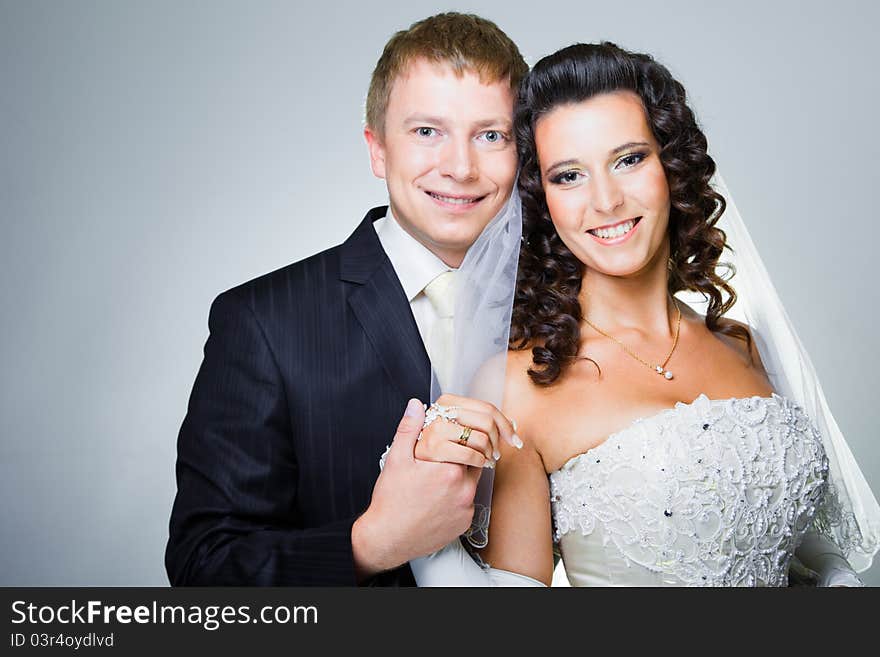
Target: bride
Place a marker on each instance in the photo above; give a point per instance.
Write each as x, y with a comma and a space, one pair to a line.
660, 445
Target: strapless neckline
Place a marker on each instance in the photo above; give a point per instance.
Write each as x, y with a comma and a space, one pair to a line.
714, 492
702, 398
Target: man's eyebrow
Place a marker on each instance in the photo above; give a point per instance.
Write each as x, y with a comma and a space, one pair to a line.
423, 119
426, 119
505, 124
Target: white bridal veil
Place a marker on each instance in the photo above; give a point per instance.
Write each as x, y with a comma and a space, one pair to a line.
484, 287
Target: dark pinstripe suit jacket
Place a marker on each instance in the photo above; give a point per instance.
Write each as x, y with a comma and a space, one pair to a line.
306, 374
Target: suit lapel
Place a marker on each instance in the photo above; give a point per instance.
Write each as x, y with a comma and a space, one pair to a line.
380, 305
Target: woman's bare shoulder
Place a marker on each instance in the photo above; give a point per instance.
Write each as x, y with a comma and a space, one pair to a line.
518, 385
747, 349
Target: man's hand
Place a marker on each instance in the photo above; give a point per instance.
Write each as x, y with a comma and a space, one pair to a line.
417, 506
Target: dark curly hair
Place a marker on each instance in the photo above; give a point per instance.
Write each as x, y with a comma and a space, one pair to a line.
546, 312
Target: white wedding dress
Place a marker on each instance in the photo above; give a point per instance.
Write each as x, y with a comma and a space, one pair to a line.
710, 493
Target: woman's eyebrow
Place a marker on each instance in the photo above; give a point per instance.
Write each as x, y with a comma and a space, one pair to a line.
628, 145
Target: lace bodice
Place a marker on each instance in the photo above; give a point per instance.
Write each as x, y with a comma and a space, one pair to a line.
711, 493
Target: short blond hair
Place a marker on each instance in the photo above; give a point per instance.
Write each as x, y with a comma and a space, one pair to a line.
467, 43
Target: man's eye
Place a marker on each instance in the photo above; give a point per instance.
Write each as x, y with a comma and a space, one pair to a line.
493, 136
425, 132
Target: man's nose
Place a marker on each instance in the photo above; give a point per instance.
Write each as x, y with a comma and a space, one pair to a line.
458, 161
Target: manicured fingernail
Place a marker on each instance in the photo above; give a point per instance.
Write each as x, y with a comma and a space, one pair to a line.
513, 422
413, 407
517, 442
489, 464
496, 455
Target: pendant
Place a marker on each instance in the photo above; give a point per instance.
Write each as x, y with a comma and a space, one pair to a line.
666, 373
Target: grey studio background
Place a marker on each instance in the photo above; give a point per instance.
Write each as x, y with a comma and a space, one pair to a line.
155, 154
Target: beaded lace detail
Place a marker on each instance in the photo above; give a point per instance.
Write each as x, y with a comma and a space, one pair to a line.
712, 493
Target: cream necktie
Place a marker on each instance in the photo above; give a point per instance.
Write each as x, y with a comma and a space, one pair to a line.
441, 294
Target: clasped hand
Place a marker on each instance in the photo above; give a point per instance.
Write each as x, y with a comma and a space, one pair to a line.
445, 441
424, 497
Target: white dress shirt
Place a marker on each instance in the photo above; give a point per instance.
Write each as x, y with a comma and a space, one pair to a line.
415, 266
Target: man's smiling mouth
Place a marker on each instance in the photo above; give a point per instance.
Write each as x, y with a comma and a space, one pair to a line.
455, 199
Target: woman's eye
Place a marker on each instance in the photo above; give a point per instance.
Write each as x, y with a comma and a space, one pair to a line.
630, 160
565, 178
425, 132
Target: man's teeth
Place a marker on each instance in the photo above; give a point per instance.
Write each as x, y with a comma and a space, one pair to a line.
454, 200
614, 231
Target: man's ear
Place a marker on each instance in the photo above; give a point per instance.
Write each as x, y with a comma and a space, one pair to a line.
377, 152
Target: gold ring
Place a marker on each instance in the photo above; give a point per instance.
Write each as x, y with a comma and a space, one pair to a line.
465, 434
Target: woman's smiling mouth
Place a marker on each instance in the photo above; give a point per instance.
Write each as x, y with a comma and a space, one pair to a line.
615, 233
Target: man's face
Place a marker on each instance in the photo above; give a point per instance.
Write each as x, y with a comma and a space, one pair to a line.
447, 155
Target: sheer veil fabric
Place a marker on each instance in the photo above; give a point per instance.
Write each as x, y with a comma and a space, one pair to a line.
484, 287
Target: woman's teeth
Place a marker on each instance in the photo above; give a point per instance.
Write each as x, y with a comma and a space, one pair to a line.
454, 200
614, 231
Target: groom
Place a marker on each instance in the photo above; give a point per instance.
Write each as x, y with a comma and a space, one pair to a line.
308, 369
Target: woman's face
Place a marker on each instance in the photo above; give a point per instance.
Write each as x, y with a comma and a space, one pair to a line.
605, 185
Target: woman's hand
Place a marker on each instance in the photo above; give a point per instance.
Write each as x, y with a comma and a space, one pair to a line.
446, 441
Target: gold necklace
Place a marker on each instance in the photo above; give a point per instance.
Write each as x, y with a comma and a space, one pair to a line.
660, 369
